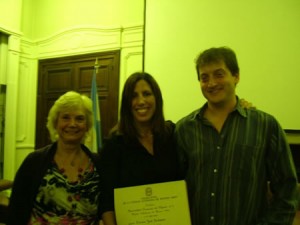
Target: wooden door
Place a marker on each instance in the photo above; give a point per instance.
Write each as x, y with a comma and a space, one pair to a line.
59, 75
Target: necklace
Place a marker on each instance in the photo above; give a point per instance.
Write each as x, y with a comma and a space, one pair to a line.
77, 159
72, 171
80, 174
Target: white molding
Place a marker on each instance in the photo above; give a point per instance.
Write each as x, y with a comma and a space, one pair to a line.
132, 37
77, 42
82, 40
131, 54
77, 29
9, 31
23, 100
28, 49
127, 58
25, 146
14, 43
11, 110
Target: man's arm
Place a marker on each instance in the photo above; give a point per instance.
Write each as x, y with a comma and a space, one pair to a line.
283, 180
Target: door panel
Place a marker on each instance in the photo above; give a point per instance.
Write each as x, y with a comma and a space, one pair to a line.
57, 76
58, 79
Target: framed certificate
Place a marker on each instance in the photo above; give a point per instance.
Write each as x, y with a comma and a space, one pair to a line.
156, 204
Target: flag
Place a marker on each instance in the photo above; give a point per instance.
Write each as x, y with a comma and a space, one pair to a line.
96, 130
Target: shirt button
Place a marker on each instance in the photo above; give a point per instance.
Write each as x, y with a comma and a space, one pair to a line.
218, 147
212, 218
215, 170
212, 194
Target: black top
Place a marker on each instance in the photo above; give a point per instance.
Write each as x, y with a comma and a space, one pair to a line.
127, 163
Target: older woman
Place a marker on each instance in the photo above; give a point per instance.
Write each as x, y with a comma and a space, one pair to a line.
59, 184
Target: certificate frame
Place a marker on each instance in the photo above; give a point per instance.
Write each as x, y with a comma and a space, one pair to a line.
156, 204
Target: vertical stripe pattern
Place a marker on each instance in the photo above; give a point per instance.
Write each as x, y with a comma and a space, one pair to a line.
227, 171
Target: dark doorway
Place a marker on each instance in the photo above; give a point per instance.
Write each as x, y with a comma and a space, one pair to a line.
59, 75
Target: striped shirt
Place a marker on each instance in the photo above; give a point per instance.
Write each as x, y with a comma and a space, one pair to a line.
227, 172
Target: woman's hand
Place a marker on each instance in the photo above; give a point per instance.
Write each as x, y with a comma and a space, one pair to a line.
108, 218
246, 105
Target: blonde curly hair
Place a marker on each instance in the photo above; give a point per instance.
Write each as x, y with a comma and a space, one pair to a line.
69, 100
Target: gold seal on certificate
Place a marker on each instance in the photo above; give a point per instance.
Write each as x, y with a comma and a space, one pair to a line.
156, 204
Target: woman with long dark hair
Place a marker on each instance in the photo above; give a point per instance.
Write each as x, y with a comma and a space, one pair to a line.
141, 149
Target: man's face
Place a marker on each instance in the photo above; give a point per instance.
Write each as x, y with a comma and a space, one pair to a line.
217, 83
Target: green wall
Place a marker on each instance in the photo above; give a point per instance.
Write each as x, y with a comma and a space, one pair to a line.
264, 33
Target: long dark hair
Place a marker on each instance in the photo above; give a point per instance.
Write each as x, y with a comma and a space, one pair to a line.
126, 124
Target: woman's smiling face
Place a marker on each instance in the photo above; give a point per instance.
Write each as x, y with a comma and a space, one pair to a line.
143, 103
71, 125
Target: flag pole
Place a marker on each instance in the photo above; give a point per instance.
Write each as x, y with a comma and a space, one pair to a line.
97, 136
96, 66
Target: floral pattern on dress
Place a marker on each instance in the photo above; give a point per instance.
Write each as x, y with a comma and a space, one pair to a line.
62, 202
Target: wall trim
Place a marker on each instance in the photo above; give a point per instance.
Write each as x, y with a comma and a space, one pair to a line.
9, 31
82, 40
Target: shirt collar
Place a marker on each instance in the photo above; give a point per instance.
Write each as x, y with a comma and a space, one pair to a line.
238, 108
